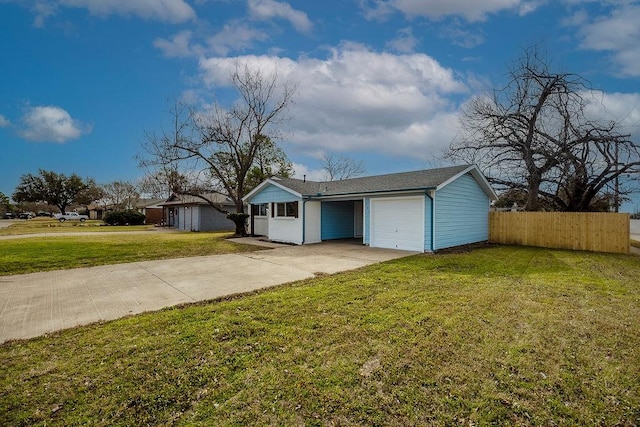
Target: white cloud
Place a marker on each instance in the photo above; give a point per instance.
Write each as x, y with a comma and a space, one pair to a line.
527, 7
461, 37
358, 100
378, 10
235, 36
268, 9
576, 19
301, 171
42, 9
470, 10
175, 11
617, 33
405, 42
177, 47
623, 108
51, 124
4, 122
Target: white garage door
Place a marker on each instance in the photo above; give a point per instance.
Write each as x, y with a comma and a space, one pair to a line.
398, 223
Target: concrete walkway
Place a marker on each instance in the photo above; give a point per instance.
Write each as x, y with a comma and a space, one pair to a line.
38, 303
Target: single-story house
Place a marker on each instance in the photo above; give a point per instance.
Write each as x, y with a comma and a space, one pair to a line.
152, 210
195, 214
422, 211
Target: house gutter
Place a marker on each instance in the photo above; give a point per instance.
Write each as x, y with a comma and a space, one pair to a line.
349, 196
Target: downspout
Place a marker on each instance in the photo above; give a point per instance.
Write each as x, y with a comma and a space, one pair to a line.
252, 220
432, 195
304, 219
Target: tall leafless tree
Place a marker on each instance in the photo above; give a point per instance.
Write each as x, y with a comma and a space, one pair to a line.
535, 135
161, 183
215, 149
119, 195
338, 167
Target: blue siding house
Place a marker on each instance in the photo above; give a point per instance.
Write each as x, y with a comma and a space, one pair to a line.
421, 211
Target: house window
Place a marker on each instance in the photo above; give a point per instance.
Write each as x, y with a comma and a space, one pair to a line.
259, 209
286, 210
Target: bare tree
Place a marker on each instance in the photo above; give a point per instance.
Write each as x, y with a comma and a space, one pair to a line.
338, 167
534, 135
120, 195
162, 183
216, 149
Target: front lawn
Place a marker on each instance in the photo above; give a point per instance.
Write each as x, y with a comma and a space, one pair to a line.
40, 225
27, 255
499, 336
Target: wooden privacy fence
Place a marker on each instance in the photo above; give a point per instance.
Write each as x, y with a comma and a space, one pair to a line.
586, 231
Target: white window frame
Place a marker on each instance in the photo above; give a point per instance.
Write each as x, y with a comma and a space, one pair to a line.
288, 210
263, 210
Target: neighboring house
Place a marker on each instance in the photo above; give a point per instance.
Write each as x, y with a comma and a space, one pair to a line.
419, 211
194, 214
96, 211
152, 210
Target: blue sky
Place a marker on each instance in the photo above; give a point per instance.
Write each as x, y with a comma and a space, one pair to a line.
379, 80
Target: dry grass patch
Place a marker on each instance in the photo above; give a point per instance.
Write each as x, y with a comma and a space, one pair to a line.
497, 336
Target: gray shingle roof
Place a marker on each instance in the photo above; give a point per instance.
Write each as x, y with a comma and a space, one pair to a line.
177, 200
422, 179
143, 203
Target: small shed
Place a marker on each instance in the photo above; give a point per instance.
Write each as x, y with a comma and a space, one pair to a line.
192, 213
420, 211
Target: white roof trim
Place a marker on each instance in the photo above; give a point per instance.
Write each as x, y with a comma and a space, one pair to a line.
480, 178
269, 181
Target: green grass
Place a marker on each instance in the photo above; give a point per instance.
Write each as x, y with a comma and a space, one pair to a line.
40, 225
27, 255
498, 336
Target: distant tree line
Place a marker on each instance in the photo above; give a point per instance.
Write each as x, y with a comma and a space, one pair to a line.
48, 189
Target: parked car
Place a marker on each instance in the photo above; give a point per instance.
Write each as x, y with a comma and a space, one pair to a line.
26, 215
9, 215
71, 216
43, 213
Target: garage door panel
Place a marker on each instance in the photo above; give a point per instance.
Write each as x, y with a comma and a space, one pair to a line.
398, 223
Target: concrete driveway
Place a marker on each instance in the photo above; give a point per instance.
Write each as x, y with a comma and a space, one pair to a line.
38, 303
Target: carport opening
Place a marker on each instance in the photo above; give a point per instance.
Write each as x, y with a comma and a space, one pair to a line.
342, 220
